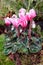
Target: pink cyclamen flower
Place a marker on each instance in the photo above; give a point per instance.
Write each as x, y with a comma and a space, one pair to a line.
18, 21
15, 22
7, 21
23, 21
22, 12
31, 14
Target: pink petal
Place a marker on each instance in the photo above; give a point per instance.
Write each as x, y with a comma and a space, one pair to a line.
21, 15
23, 21
14, 21
7, 21
32, 13
28, 16
22, 10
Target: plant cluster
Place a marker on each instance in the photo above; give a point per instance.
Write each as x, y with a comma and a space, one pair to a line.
20, 36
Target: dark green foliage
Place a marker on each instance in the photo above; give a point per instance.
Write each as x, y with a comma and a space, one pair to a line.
35, 45
22, 44
5, 60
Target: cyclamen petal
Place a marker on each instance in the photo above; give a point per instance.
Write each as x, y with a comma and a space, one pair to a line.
28, 17
32, 13
18, 21
33, 24
7, 21
22, 10
21, 15
15, 22
23, 21
14, 16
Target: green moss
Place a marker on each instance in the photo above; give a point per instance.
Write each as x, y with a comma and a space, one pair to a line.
3, 59
1, 22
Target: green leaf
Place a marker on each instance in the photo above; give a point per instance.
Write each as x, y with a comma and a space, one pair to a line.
34, 48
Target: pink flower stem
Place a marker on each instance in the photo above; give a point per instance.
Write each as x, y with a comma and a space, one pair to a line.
11, 57
29, 31
18, 60
18, 32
